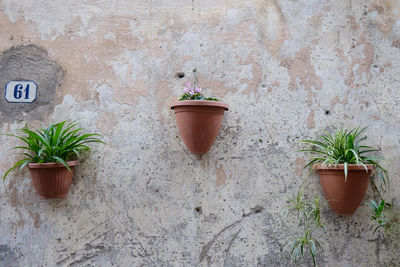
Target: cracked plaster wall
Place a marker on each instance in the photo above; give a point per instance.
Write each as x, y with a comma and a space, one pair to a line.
287, 69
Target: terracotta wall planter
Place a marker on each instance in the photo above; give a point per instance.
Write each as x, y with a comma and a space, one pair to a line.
344, 197
199, 122
52, 180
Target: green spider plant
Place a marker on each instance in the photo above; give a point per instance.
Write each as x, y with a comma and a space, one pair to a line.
308, 213
297, 205
345, 148
60, 142
299, 244
378, 214
315, 212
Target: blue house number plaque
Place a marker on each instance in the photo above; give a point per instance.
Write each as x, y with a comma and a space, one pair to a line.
21, 92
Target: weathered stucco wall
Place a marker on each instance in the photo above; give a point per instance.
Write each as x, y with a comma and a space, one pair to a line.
288, 69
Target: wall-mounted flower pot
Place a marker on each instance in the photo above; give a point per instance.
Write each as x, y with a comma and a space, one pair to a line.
52, 180
199, 122
344, 197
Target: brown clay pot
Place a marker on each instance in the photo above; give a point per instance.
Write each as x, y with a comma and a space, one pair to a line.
199, 122
52, 180
344, 197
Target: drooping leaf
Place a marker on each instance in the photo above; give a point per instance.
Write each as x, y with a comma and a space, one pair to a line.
59, 142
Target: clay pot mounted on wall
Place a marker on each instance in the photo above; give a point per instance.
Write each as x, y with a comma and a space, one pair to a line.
344, 196
199, 122
199, 119
51, 154
52, 180
344, 166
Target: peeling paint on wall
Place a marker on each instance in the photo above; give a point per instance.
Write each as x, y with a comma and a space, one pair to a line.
30, 63
287, 69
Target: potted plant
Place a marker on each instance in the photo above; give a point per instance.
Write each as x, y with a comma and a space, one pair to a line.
344, 166
51, 155
199, 119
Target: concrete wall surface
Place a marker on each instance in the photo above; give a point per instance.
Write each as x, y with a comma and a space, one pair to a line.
288, 70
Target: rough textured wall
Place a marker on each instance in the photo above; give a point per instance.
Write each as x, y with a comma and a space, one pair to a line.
287, 69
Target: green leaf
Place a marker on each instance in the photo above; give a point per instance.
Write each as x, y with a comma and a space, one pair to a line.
344, 147
59, 142
58, 159
16, 165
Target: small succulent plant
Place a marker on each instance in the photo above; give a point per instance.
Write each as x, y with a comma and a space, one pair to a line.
194, 93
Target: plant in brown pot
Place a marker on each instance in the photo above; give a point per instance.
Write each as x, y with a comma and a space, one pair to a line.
51, 155
199, 119
344, 166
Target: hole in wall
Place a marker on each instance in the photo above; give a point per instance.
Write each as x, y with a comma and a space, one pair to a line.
327, 112
198, 210
180, 75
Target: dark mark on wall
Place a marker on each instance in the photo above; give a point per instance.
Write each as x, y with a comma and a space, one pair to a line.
180, 75
29, 63
257, 209
396, 43
7, 256
198, 210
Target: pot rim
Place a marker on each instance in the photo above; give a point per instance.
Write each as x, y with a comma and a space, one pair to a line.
208, 103
51, 164
350, 167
